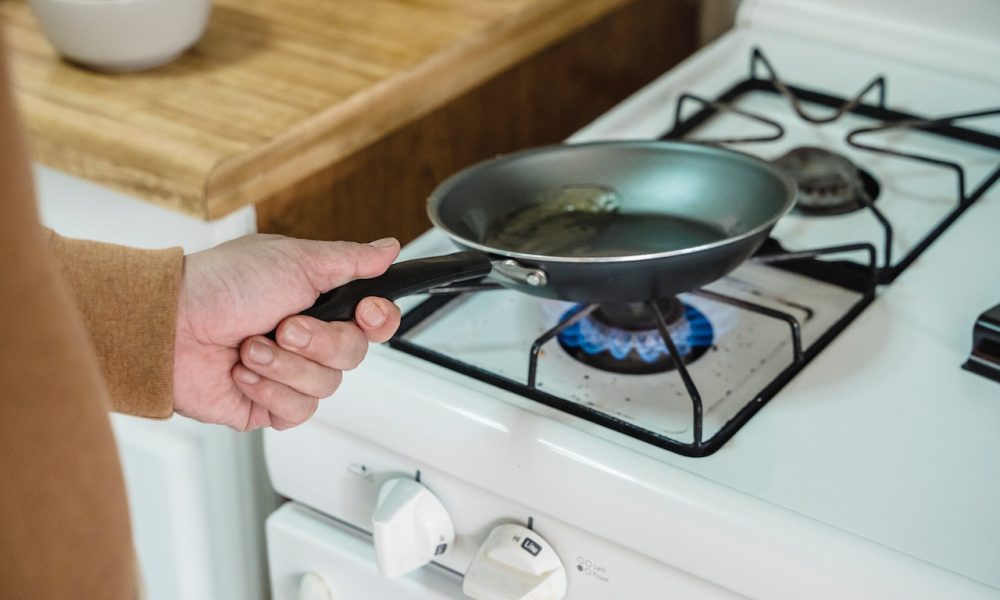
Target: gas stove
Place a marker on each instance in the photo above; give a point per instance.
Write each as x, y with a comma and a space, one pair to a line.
805, 416
756, 328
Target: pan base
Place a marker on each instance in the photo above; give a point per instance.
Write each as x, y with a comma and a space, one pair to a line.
624, 338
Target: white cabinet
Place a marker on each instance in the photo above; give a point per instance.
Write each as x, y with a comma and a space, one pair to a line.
198, 493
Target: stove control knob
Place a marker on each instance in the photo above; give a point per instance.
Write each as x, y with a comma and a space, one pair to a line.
515, 563
313, 587
410, 526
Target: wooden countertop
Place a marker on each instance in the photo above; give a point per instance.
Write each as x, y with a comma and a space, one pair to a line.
275, 91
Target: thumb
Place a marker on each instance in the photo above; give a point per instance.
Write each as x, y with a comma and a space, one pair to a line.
332, 264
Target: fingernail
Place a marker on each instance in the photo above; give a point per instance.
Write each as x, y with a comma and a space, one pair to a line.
261, 354
296, 335
247, 377
384, 243
372, 314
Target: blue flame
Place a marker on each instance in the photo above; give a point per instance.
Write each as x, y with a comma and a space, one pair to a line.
692, 332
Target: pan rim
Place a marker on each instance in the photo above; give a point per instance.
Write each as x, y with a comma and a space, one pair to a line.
441, 191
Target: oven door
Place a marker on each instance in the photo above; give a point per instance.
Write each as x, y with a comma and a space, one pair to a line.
313, 557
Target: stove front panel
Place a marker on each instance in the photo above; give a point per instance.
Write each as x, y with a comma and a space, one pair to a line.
348, 475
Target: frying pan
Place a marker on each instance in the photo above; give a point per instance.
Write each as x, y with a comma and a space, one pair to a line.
652, 219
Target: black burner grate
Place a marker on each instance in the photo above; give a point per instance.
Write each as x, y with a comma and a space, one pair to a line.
891, 119
803, 263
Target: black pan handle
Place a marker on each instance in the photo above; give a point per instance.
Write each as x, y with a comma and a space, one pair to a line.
401, 279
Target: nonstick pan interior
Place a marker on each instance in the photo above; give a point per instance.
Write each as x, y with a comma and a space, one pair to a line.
679, 197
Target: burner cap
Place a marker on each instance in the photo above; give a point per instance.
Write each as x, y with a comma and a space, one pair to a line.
829, 183
637, 316
624, 338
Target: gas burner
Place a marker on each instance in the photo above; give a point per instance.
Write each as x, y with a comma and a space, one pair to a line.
829, 183
624, 338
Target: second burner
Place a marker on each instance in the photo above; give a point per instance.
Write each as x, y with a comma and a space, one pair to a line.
829, 183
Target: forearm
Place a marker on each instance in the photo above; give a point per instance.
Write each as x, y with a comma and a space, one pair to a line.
128, 298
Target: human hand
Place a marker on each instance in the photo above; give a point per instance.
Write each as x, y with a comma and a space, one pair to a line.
226, 372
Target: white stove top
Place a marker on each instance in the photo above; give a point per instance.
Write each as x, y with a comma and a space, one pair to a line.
874, 473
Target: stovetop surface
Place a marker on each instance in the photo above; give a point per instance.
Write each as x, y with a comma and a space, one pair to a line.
883, 435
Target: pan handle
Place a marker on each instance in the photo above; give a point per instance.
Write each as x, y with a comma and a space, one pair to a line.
401, 279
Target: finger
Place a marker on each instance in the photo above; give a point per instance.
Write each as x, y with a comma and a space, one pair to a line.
286, 406
340, 346
265, 358
378, 318
258, 416
332, 264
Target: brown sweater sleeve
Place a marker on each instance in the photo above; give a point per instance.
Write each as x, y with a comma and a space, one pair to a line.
128, 298
65, 528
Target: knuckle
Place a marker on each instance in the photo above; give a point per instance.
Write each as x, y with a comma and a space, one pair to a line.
311, 406
280, 424
319, 383
341, 261
264, 392
287, 406
332, 383
356, 358
304, 408
345, 346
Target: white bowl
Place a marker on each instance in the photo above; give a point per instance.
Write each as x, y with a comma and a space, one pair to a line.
122, 35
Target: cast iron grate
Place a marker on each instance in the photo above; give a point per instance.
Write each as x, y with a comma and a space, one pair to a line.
684, 127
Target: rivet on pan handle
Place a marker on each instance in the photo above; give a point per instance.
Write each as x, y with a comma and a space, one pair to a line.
514, 271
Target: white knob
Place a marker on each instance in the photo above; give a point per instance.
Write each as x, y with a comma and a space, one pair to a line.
410, 526
515, 563
313, 587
